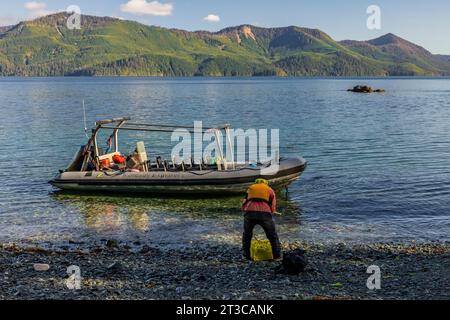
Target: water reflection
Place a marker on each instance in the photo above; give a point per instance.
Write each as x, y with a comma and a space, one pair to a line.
107, 217
116, 214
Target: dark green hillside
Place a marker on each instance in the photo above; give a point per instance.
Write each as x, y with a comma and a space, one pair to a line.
108, 46
401, 57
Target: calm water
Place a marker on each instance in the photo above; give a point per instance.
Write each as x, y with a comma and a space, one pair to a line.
379, 165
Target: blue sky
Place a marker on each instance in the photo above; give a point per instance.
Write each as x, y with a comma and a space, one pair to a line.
426, 23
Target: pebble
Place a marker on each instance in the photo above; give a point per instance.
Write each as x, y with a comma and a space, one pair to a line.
201, 278
112, 243
41, 267
144, 249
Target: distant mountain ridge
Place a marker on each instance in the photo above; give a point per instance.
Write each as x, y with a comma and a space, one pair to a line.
3, 29
107, 46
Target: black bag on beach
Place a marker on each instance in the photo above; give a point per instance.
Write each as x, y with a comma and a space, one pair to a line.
294, 262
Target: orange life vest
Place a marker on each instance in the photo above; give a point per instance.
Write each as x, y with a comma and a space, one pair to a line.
259, 191
105, 163
119, 159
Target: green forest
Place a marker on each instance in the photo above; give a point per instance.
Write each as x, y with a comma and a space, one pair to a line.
111, 47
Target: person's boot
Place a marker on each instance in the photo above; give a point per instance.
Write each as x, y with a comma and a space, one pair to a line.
247, 258
277, 257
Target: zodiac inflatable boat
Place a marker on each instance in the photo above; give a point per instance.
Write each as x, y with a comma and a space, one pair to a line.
91, 170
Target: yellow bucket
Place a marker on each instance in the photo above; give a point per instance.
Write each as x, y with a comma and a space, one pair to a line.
261, 250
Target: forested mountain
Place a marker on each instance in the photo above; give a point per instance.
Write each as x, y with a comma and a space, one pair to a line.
107, 46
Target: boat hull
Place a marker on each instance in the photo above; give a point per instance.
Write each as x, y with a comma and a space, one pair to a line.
189, 182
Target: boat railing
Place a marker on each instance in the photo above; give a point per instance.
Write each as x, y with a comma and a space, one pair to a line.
155, 127
123, 123
108, 121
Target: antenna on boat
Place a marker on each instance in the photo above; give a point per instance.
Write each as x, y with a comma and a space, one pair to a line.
85, 121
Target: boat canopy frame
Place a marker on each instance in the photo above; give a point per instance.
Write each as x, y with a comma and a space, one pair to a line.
123, 123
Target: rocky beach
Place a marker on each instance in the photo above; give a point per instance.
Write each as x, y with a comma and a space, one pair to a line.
115, 270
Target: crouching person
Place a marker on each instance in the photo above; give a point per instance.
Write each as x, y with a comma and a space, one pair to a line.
259, 208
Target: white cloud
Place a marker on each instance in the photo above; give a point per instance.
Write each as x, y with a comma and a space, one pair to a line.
35, 6
37, 9
142, 7
212, 18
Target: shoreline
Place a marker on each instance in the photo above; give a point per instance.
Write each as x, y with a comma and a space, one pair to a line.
115, 270
443, 77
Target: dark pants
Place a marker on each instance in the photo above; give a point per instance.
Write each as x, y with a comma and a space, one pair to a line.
265, 220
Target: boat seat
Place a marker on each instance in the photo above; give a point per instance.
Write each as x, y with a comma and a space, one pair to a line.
108, 156
158, 162
142, 154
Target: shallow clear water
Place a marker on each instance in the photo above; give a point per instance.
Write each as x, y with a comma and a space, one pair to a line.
379, 164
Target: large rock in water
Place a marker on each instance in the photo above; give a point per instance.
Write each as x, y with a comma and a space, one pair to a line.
365, 89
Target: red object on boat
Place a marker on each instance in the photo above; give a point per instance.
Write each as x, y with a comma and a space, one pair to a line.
119, 159
105, 163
